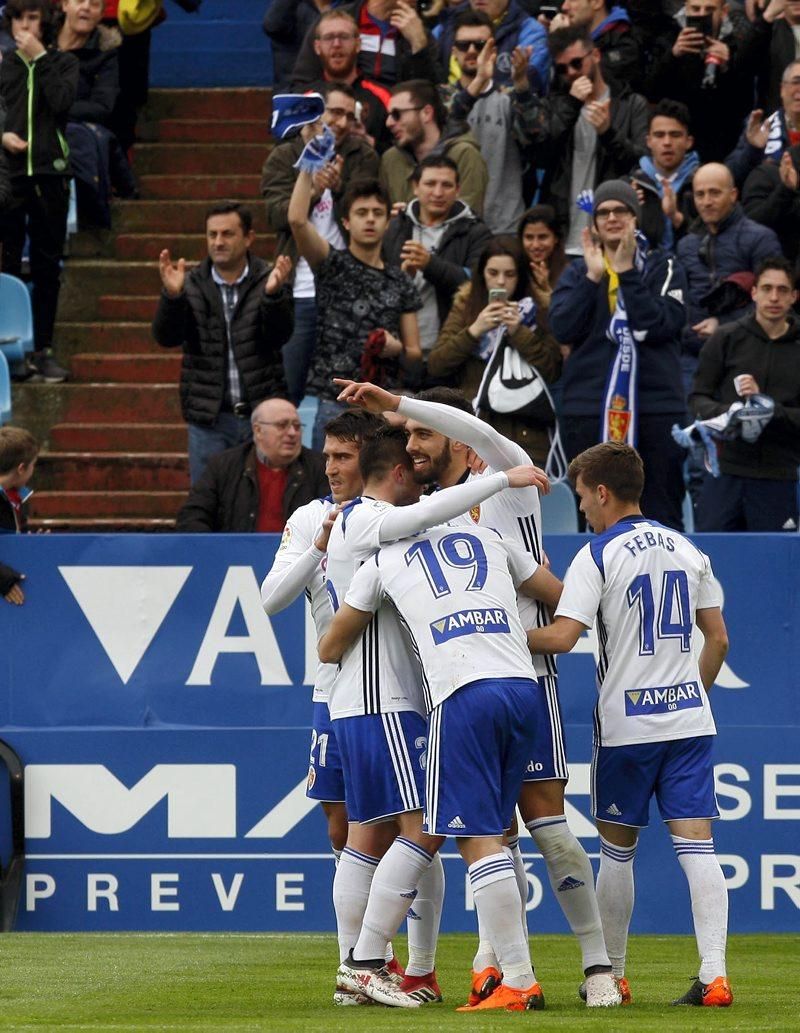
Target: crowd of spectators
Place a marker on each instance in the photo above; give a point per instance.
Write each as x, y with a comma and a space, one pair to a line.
516, 193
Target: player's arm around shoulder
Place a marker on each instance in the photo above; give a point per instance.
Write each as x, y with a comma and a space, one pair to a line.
296, 560
715, 648
355, 613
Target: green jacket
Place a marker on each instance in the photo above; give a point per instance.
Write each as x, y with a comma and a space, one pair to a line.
279, 175
397, 165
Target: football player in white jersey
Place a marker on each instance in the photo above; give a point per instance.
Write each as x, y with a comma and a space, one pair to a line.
377, 708
299, 566
442, 430
454, 590
647, 589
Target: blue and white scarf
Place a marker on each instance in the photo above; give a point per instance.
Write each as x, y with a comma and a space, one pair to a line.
620, 400
317, 153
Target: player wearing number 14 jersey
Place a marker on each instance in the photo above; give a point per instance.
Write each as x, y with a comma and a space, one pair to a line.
647, 589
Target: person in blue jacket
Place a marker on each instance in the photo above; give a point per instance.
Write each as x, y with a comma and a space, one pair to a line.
583, 304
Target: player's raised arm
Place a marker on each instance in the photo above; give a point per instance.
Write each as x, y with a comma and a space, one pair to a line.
451, 502
498, 451
715, 647
558, 637
346, 626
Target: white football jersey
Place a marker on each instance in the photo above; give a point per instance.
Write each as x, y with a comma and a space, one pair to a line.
517, 515
378, 673
455, 591
515, 512
296, 543
643, 583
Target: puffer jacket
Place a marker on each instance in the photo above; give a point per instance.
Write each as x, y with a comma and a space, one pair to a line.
195, 321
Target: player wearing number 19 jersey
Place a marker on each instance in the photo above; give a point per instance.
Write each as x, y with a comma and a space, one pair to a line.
453, 590
647, 589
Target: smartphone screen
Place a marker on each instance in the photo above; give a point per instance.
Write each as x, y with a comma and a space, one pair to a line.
702, 23
497, 294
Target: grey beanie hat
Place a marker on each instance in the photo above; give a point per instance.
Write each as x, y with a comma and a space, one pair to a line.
617, 190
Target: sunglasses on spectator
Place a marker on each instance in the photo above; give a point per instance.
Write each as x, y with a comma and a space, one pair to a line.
463, 45
575, 64
337, 37
619, 211
395, 114
282, 426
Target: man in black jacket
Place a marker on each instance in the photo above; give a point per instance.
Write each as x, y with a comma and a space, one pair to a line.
231, 315
437, 240
584, 132
257, 486
759, 354
38, 86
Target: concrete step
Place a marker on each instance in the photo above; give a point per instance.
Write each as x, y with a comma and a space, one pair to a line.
126, 309
97, 368
112, 471
141, 247
100, 525
196, 130
118, 338
250, 102
92, 504
237, 185
84, 280
198, 158
119, 437
176, 217
126, 403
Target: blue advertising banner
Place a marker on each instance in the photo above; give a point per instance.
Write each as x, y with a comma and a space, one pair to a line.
163, 721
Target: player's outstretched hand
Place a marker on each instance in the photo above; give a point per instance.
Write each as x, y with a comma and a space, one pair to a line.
367, 396
528, 476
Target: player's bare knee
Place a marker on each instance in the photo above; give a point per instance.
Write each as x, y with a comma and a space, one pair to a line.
337, 824
541, 799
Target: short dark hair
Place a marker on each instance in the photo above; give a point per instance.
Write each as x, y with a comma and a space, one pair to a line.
424, 93
337, 86
472, 20
364, 187
382, 452
354, 425
560, 39
228, 207
673, 109
616, 465
434, 161
778, 263
445, 396
16, 8
17, 445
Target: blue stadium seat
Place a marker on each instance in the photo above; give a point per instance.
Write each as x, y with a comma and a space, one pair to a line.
16, 319
5, 390
307, 411
559, 512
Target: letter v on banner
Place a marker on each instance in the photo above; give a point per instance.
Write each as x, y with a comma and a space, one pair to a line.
125, 607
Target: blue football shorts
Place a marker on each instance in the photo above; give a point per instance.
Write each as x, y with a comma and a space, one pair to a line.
678, 772
479, 741
325, 779
549, 757
383, 761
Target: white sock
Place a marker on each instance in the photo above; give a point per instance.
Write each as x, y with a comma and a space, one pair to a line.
393, 891
351, 884
336, 854
496, 898
709, 903
423, 930
572, 880
615, 900
514, 852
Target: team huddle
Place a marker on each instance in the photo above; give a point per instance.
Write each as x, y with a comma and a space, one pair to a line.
436, 710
